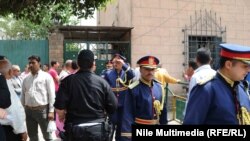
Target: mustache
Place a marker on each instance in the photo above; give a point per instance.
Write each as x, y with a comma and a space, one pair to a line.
149, 74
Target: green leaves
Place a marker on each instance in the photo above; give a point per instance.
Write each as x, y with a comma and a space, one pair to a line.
33, 18
34, 10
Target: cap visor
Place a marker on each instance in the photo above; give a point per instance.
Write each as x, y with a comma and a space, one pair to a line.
246, 61
149, 67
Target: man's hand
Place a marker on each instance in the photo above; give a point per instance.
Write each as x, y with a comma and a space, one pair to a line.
51, 116
61, 114
24, 136
3, 113
120, 61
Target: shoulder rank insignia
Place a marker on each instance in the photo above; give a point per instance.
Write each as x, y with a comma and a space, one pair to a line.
134, 84
204, 79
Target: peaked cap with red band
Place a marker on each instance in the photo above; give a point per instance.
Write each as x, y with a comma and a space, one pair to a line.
148, 62
234, 51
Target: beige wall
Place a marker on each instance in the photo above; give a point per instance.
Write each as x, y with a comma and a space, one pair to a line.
117, 13
158, 26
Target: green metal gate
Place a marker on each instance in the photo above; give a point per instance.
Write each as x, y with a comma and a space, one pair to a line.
104, 41
104, 51
18, 51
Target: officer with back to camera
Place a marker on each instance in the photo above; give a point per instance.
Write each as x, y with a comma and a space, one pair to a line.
83, 101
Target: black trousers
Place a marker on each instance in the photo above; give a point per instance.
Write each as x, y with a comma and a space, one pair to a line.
88, 133
10, 135
2, 134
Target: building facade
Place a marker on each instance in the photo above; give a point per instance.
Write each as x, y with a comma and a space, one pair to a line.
173, 30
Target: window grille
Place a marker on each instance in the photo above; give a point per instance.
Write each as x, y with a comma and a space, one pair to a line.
205, 30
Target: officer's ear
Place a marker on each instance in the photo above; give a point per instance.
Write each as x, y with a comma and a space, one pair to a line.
93, 67
93, 64
140, 69
228, 64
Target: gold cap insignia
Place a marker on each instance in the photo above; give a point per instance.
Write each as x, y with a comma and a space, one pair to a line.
151, 60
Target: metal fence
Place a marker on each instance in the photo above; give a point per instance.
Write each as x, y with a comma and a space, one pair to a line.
18, 51
176, 104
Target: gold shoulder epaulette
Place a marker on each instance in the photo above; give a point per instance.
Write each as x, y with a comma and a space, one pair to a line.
205, 79
134, 84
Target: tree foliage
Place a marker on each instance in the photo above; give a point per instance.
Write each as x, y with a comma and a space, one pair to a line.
21, 29
26, 29
27, 19
34, 10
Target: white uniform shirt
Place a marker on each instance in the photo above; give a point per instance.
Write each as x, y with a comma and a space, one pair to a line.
38, 90
15, 113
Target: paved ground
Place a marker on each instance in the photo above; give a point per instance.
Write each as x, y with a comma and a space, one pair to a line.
41, 136
171, 122
174, 123
58, 139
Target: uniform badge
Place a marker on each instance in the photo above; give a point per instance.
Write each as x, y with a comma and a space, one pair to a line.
151, 61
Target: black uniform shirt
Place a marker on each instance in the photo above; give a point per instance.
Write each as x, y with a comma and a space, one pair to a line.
86, 97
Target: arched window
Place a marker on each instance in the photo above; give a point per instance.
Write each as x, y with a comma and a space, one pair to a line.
205, 30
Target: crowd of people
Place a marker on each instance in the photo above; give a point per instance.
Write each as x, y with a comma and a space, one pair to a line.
88, 107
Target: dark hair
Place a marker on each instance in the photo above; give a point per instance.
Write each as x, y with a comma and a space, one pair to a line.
108, 62
2, 57
203, 55
74, 65
47, 65
85, 59
224, 59
34, 57
192, 64
52, 63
